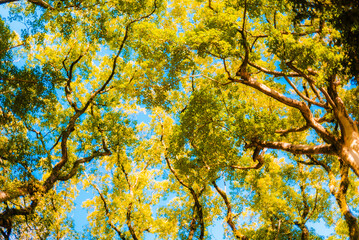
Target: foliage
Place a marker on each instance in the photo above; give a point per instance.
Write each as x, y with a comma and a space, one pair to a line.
344, 17
178, 116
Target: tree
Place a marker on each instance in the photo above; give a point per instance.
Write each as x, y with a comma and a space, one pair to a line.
344, 17
34, 162
252, 120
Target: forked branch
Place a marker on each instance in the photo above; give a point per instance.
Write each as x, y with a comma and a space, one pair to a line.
195, 195
229, 217
107, 210
246, 79
257, 157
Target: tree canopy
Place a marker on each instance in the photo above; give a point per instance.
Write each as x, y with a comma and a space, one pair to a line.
179, 116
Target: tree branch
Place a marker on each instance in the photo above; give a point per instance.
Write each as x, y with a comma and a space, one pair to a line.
192, 191
289, 33
303, 96
7, 1
18, 80
301, 106
71, 125
17, 192
68, 89
340, 196
297, 148
42, 4
128, 222
120, 234
309, 79
75, 166
256, 157
122, 44
229, 217
286, 131
272, 72
5, 50
7, 215
192, 225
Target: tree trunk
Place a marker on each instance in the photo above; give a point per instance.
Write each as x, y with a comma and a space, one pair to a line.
350, 151
305, 232
349, 148
350, 219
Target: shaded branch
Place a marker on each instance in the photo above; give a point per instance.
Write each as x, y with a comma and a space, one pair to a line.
340, 194
291, 130
306, 77
75, 166
128, 222
68, 89
242, 71
195, 196
304, 229
314, 161
57, 141
175, 173
54, 176
303, 96
225, 68
249, 81
305, 210
315, 205
257, 156
325, 119
19, 80
7, 215
229, 217
120, 234
95, 154
273, 72
126, 177
71, 125
192, 225
122, 44
244, 14
211, 7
